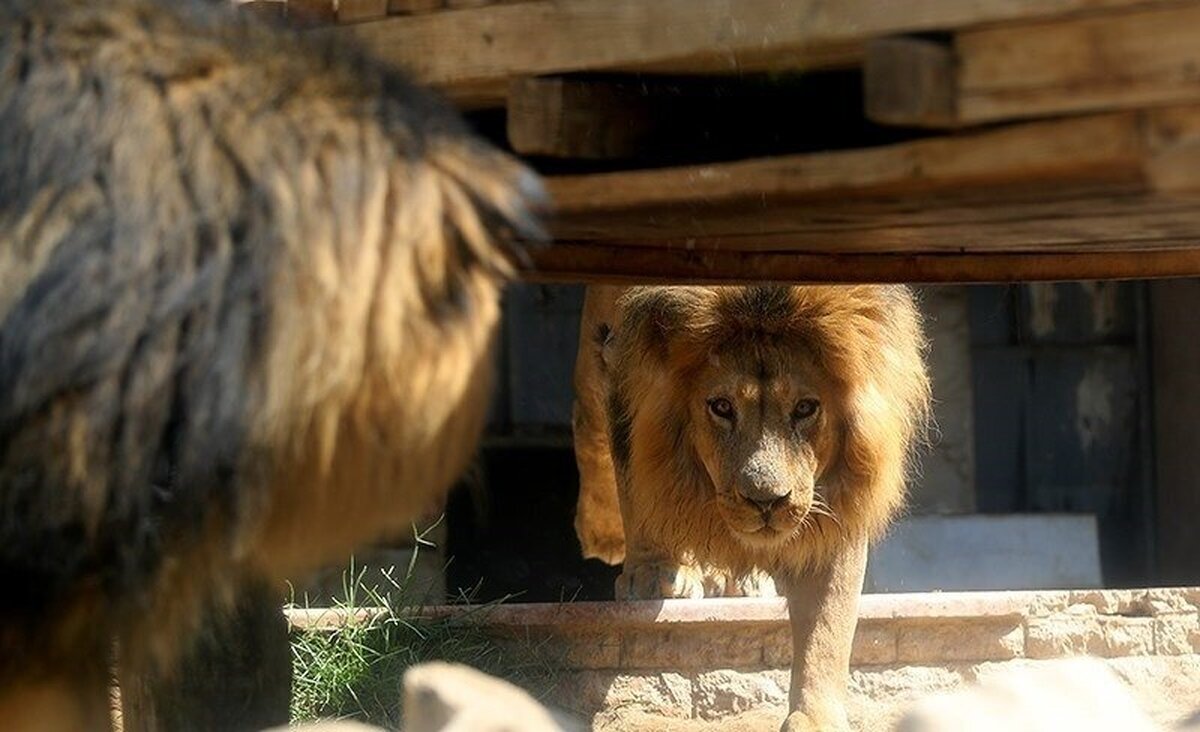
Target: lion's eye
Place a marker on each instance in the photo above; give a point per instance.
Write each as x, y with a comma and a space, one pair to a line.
721, 408
805, 408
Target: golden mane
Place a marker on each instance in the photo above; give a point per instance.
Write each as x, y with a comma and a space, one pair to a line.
867, 339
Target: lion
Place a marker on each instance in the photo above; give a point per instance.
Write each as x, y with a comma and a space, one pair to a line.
732, 430
249, 288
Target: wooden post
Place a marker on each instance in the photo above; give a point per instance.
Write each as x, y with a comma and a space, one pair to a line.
237, 677
910, 82
577, 119
1175, 352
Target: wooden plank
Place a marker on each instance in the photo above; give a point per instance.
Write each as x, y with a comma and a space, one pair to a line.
910, 81
576, 119
1105, 148
413, 7
356, 11
497, 42
1143, 57
1100, 224
267, 9
312, 12
1088, 197
591, 263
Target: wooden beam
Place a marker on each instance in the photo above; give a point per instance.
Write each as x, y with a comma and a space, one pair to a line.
910, 81
312, 12
356, 11
570, 118
1137, 58
593, 264
1106, 149
497, 42
413, 7
1076, 198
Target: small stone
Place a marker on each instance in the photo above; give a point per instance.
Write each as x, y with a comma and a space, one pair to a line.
1067, 694
441, 695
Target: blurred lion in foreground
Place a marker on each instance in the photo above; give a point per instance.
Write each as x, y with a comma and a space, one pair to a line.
248, 289
726, 431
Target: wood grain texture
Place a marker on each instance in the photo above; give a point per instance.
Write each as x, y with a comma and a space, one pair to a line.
1136, 58
496, 42
1100, 148
570, 118
619, 265
1106, 196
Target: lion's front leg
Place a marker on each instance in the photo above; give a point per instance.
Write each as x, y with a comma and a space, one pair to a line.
649, 577
823, 610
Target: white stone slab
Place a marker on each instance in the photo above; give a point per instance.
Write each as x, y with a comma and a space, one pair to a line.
987, 552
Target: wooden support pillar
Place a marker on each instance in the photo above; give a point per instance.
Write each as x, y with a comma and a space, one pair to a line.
910, 81
1176, 374
568, 118
237, 676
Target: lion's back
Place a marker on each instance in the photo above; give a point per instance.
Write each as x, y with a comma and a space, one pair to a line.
213, 237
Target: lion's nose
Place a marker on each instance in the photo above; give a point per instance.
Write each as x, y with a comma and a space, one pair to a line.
765, 504
765, 495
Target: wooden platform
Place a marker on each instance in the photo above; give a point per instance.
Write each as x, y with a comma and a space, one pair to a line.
1004, 139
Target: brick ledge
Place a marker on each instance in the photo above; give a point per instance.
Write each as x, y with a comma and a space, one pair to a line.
772, 611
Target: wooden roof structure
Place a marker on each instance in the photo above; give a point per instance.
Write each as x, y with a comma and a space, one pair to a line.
1011, 139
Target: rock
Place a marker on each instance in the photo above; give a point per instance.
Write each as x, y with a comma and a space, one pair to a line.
444, 697
1077, 693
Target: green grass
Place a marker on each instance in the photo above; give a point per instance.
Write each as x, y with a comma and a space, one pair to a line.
354, 672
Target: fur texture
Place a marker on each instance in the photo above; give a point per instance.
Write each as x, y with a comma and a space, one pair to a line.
858, 351
757, 430
248, 288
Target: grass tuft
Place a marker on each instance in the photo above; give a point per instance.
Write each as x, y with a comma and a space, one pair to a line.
354, 671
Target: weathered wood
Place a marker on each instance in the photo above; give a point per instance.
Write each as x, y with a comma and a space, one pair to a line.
1066, 199
910, 81
491, 44
268, 9
237, 676
1104, 149
577, 119
589, 263
413, 7
313, 12
1137, 58
1097, 223
355, 11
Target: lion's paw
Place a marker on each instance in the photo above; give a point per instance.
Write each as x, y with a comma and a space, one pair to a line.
607, 547
659, 580
751, 584
799, 721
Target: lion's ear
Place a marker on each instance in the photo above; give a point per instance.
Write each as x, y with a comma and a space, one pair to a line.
654, 322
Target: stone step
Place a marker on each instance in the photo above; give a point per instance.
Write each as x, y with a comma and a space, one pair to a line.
723, 663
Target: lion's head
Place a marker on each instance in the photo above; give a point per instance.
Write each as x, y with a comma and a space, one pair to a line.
749, 419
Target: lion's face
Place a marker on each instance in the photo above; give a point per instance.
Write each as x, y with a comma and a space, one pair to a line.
763, 421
